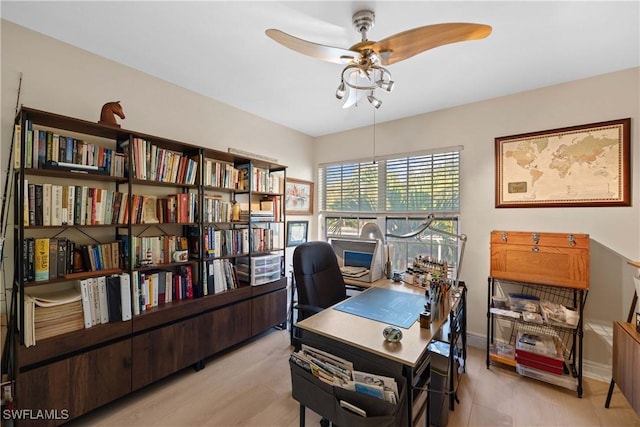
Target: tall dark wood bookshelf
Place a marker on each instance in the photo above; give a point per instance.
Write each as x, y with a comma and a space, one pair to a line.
81, 370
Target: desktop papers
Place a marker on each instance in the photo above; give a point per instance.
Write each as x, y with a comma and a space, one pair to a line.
351, 271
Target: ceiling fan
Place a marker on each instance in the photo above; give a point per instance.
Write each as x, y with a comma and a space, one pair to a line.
364, 71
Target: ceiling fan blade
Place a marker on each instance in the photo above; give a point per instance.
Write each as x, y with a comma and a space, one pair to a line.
326, 53
411, 42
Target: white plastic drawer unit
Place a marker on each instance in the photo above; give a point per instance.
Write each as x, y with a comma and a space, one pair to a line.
264, 269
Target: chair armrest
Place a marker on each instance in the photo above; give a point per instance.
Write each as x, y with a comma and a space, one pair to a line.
308, 308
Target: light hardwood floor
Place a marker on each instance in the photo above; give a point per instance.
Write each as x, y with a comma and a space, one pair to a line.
251, 386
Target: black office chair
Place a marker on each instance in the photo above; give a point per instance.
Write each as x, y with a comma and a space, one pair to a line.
318, 280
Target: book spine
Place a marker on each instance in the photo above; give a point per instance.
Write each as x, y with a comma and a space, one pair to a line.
62, 256
42, 259
53, 258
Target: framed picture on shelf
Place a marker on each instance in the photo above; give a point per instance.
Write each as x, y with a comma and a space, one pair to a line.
586, 165
298, 197
297, 232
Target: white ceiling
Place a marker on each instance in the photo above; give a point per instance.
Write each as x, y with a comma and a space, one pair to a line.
219, 49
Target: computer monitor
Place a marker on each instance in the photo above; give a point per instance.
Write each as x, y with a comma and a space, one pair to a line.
357, 259
362, 253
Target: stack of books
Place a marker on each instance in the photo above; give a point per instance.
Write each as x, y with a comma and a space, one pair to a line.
48, 313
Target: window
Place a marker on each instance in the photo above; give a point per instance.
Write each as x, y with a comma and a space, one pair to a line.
396, 192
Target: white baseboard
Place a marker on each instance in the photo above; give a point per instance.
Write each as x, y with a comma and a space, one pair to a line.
594, 370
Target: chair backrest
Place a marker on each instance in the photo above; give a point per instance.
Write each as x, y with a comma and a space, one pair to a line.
317, 274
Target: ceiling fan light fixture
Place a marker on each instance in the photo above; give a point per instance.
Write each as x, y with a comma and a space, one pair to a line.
386, 85
374, 101
340, 91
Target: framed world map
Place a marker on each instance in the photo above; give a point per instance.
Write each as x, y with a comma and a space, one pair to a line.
586, 165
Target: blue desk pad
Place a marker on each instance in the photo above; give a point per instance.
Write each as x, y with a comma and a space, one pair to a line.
385, 305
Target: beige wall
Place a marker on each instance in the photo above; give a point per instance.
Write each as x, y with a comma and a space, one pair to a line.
69, 81
66, 80
614, 231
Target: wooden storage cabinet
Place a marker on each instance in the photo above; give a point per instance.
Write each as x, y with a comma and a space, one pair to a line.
557, 259
78, 383
166, 350
226, 327
267, 297
84, 369
626, 362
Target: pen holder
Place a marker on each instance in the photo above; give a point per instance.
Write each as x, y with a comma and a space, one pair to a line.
425, 320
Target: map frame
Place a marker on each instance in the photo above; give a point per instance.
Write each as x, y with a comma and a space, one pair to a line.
620, 177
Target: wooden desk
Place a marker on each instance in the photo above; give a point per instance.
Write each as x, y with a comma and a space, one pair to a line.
360, 340
626, 362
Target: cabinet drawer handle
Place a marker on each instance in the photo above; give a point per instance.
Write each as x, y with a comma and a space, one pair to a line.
535, 249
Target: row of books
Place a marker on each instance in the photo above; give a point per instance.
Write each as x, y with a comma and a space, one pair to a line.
259, 179
220, 174
174, 208
157, 250
219, 243
55, 205
51, 258
264, 239
151, 162
221, 275
216, 209
155, 288
48, 149
340, 372
52, 311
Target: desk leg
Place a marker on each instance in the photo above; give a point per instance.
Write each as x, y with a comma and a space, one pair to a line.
302, 409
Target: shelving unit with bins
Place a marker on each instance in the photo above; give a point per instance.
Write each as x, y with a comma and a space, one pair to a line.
550, 267
67, 371
262, 213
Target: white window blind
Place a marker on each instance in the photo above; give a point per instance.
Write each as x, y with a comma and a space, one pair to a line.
428, 182
350, 187
410, 183
396, 192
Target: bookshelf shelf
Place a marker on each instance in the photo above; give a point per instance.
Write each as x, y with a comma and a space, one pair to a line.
52, 173
186, 307
74, 276
164, 266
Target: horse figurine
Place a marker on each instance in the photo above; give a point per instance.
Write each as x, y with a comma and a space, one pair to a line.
109, 112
